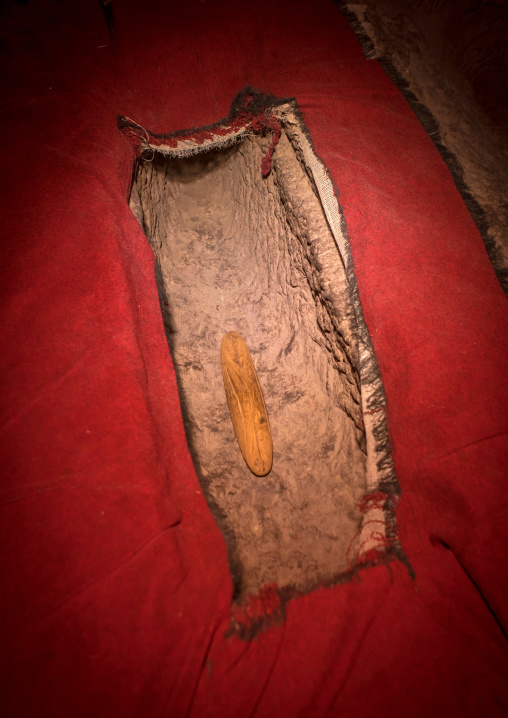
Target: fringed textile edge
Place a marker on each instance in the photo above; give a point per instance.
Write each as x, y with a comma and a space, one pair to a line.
251, 113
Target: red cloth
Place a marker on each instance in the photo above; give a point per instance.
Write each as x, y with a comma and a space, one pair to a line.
116, 591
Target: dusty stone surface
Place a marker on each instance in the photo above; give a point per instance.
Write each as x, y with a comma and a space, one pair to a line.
236, 252
454, 57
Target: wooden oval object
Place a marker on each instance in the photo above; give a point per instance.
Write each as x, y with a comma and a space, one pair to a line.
246, 404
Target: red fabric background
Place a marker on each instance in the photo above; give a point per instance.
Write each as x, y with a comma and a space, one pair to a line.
116, 591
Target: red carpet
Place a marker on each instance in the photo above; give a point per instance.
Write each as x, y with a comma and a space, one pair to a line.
116, 591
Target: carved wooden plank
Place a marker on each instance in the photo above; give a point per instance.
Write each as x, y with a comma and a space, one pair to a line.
246, 404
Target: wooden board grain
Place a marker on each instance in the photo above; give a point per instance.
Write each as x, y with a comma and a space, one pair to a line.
246, 404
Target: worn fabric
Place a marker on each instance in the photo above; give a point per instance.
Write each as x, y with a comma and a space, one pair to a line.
117, 593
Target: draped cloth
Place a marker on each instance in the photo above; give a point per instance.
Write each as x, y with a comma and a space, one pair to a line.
116, 591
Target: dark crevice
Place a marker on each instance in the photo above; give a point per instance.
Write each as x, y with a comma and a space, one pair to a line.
109, 16
475, 584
